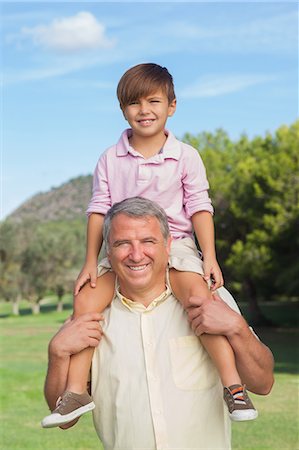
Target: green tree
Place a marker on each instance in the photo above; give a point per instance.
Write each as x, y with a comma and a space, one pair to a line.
10, 268
254, 186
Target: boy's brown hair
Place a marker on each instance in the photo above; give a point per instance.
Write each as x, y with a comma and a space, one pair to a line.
143, 80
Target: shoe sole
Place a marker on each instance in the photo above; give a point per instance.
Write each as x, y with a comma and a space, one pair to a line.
54, 420
245, 416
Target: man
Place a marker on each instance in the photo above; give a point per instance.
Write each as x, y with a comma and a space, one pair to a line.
153, 383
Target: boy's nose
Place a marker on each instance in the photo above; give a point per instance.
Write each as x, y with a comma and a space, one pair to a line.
144, 107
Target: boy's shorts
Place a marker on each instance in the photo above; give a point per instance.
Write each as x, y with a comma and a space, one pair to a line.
184, 256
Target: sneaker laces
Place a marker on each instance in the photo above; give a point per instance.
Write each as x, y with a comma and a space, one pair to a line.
58, 401
238, 395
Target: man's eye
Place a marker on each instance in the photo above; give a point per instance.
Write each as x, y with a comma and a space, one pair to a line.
120, 244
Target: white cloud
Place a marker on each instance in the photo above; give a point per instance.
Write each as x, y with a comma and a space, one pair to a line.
213, 86
79, 32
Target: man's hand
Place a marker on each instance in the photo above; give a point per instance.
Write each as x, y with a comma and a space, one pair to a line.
213, 316
88, 273
77, 334
212, 272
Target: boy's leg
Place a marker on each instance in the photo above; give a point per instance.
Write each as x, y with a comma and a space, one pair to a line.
75, 401
88, 300
188, 284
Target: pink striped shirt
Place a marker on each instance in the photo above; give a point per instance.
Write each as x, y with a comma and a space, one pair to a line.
175, 178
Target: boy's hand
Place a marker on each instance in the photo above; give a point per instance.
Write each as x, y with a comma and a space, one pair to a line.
88, 273
212, 272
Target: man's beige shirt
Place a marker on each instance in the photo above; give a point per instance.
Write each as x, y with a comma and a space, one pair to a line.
154, 385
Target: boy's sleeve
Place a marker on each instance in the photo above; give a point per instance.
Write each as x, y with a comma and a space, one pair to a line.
195, 183
100, 201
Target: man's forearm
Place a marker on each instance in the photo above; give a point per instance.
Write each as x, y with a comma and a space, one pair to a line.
254, 360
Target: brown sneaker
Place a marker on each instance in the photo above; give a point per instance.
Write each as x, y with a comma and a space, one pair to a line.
68, 407
239, 404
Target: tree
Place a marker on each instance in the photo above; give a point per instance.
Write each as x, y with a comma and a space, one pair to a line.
255, 192
50, 260
10, 268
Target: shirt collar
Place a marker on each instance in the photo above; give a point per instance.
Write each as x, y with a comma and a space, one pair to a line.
171, 149
139, 307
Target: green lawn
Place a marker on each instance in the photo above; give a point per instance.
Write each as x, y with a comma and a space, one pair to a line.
23, 364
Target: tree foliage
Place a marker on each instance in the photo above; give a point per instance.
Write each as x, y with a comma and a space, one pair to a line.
255, 190
40, 258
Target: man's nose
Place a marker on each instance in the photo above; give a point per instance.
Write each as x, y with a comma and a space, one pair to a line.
136, 252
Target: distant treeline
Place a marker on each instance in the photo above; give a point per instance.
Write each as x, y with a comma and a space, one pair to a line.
254, 185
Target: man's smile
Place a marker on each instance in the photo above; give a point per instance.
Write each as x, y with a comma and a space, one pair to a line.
138, 268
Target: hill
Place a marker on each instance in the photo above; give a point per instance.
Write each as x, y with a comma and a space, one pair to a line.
66, 202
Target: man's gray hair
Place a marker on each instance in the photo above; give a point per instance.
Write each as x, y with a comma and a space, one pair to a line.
136, 207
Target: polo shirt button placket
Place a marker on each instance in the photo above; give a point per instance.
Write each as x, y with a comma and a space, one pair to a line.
153, 383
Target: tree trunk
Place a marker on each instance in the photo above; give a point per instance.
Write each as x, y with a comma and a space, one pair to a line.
15, 307
256, 316
59, 305
36, 308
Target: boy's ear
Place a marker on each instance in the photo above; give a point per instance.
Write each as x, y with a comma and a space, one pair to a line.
123, 111
172, 108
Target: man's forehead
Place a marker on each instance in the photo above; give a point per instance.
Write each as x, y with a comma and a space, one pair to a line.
123, 224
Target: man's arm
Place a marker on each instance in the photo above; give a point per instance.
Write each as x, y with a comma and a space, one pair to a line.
74, 336
254, 360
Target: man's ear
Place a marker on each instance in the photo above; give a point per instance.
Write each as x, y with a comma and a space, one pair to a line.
168, 244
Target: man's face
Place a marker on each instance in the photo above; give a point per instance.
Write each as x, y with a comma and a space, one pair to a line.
138, 255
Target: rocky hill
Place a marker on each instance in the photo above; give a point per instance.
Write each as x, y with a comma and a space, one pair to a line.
66, 202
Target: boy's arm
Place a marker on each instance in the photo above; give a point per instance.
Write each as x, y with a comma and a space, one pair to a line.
93, 246
203, 226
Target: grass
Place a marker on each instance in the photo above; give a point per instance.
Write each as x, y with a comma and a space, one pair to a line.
24, 342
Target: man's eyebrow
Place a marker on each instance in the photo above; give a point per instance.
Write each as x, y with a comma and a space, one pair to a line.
149, 238
120, 241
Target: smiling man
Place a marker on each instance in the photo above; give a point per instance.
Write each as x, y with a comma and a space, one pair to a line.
153, 383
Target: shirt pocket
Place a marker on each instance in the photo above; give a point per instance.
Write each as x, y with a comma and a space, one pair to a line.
192, 367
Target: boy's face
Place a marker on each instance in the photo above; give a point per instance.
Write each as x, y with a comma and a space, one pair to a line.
147, 116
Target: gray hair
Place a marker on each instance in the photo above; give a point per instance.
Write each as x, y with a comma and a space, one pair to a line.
136, 207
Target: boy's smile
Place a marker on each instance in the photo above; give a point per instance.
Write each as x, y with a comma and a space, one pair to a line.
147, 117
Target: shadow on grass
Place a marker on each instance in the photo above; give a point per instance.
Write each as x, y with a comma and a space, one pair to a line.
51, 307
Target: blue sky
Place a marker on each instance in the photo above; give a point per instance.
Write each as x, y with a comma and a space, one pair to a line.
235, 66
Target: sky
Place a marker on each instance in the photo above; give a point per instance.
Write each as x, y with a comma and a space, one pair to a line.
234, 64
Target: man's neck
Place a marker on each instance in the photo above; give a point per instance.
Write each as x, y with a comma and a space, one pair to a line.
145, 297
